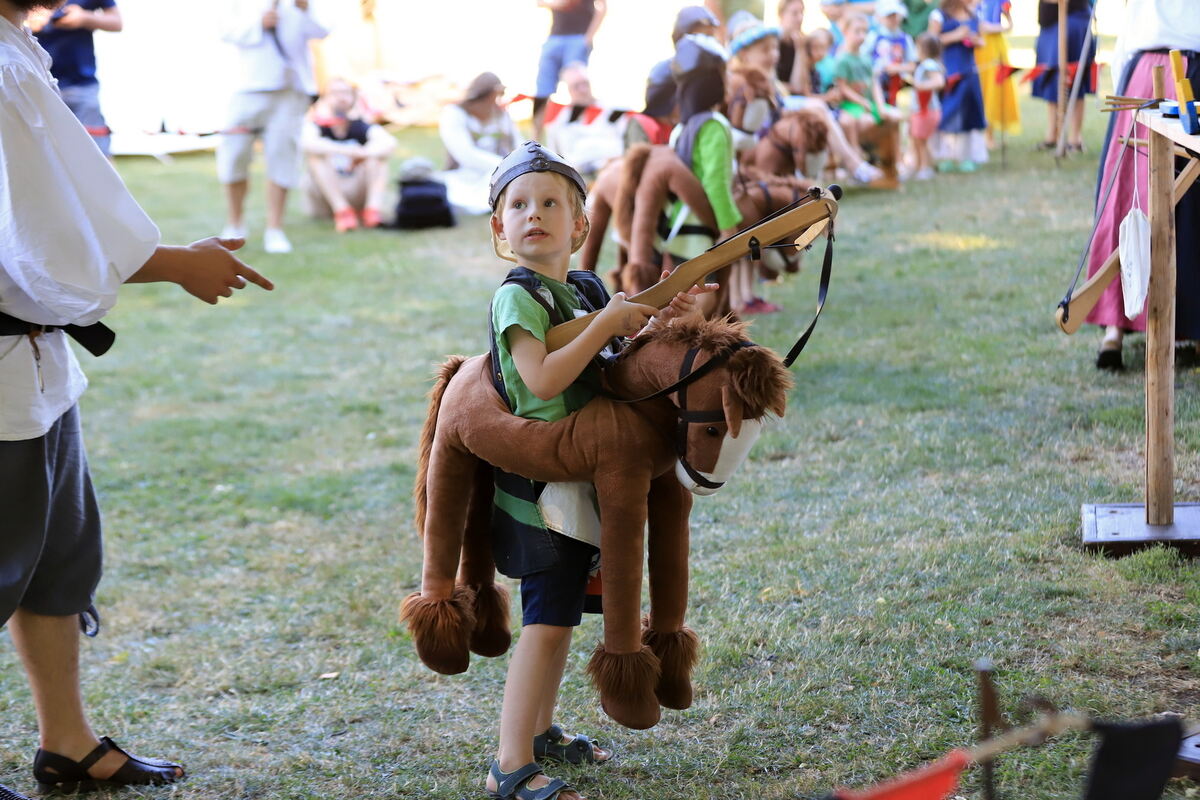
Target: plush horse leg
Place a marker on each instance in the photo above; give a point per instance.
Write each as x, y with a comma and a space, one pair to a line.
624, 670
441, 616
674, 643
491, 636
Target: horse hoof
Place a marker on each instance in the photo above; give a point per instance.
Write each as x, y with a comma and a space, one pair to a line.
441, 629
626, 682
677, 653
491, 636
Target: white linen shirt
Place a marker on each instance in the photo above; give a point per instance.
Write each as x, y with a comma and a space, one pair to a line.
70, 235
1156, 25
261, 66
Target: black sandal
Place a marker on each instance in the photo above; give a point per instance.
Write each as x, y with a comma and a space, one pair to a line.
59, 773
513, 785
549, 745
8, 794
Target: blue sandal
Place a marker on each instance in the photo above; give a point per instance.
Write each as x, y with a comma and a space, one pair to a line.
513, 785
549, 745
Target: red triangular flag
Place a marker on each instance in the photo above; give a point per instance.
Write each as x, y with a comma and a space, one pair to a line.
591, 113
553, 109
1036, 72
932, 782
1005, 71
952, 80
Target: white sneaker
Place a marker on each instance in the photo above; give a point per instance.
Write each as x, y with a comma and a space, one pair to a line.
864, 173
233, 231
276, 241
925, 173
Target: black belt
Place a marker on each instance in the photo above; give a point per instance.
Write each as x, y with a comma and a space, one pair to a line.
96, 338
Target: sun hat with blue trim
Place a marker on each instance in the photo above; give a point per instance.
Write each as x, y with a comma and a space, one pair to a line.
745, 29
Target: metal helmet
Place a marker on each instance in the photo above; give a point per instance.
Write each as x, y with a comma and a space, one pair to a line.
531, 157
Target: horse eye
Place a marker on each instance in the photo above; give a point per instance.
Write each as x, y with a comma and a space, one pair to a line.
711, 431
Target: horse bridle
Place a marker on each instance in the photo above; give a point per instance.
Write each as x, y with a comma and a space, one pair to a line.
684, 416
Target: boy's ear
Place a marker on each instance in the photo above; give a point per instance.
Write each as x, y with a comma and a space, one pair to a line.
497, 227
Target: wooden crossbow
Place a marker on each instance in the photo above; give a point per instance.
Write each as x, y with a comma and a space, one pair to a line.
801, 222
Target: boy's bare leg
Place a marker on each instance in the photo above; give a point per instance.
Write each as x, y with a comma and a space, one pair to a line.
326, 179
49, 649
235, 202
377, 181
525, 691
276, 204
553, 673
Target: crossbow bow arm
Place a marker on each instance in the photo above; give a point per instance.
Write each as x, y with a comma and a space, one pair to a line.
1071, 314
798, 223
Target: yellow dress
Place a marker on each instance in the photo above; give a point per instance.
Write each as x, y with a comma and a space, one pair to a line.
999, 100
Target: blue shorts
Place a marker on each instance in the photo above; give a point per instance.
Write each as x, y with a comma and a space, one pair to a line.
556, 596
558, 52
84, 102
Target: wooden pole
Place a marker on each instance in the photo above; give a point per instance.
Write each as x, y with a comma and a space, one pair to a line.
1160, 330
1061, 111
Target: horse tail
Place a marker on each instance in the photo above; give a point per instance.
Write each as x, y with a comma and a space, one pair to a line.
632, 166
420, 492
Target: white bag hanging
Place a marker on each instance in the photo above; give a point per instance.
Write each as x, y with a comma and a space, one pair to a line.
1133, 248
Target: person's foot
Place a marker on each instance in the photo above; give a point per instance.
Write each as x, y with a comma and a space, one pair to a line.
104, 765
345, 220
371, 218
538, 781
946, 166
865, 173
967, 166
924, 174
1109, 357
276, 241
557, 745
231, 231
760, 306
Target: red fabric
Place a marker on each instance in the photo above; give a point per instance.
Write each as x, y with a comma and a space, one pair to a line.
1005, 71
1035, 73
952, 80
932, 782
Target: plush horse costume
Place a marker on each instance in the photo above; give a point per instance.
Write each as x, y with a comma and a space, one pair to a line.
627, 451
701, 391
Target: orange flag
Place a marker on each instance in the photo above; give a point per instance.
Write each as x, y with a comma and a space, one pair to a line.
932, 782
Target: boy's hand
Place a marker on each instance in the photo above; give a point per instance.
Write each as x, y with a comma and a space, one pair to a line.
624, 318
683, 303
209, 270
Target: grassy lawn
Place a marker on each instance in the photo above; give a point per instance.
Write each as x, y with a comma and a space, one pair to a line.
917, 508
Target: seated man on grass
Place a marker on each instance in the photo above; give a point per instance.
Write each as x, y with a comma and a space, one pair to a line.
346, 161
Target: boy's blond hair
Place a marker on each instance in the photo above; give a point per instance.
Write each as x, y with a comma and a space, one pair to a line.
577, 209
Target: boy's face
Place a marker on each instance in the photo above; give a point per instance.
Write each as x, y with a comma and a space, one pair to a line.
856, 34
537, 218
892, 22
818, 47
791, 16
763, 54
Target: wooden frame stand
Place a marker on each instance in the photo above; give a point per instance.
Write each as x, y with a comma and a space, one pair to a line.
1115, 528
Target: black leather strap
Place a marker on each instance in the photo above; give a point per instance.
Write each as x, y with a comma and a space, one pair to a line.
96, 338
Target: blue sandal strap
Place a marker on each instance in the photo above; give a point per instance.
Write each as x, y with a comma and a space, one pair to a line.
509, 783
550, 791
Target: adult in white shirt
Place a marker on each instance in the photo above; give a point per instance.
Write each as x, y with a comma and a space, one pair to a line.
585, 135
274, 88
477, 133
70, 236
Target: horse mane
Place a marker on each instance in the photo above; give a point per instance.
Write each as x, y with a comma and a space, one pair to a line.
420, 493
756, 374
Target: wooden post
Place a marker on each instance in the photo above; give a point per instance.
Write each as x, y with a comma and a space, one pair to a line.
1160, 330
1063, 86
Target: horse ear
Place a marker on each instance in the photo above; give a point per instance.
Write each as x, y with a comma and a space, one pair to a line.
733, 410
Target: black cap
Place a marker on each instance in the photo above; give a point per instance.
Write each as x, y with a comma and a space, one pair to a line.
531, 157
660, 90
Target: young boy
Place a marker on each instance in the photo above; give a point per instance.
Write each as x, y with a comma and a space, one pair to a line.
538, 221
891, 49
862, 100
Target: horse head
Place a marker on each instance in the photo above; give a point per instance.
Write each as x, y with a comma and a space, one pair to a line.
721, 384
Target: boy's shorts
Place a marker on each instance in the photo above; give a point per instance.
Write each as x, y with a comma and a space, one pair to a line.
556, 596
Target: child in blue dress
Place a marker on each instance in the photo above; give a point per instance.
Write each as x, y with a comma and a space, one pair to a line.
963, 124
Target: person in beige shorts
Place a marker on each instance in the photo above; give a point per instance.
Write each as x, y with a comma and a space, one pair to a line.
346, 161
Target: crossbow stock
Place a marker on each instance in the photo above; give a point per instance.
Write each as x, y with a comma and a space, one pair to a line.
801, 223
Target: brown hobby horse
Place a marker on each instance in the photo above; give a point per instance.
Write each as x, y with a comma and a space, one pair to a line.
627, 451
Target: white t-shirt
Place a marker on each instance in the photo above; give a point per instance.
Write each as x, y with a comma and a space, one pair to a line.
70, 235
1156, 25
268, 62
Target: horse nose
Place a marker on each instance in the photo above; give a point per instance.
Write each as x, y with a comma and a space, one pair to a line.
690, 482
